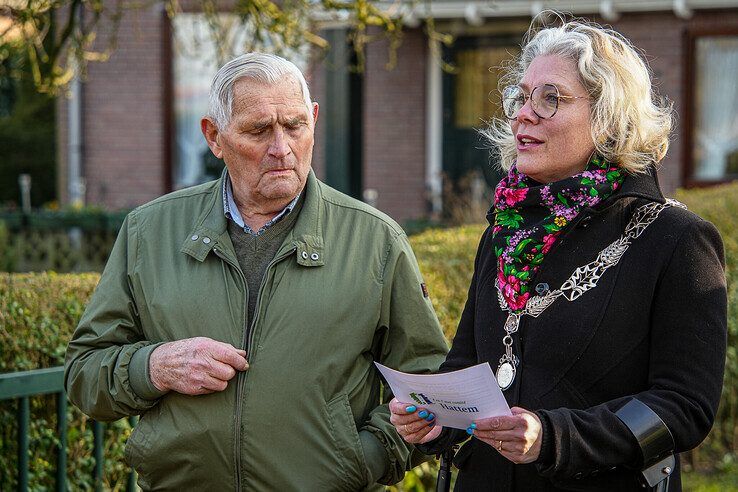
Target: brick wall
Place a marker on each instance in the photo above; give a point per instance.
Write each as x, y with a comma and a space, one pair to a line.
124, 117
394, 127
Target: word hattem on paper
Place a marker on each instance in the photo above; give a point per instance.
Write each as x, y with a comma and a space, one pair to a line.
457, 398
455, 406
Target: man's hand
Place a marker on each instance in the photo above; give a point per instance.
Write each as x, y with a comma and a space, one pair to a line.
517, 437
195, 366
416, 426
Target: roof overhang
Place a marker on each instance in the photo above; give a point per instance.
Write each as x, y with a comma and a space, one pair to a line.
475, 12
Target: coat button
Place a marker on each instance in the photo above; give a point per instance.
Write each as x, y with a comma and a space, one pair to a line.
304, 255
314, 256
195, 237
206, 240
578, 476
542, 288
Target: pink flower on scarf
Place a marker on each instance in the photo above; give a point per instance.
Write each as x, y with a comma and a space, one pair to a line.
513, 196
548, 241
517, 303
510, 287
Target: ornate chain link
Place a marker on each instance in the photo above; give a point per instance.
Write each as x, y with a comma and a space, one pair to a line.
583, 279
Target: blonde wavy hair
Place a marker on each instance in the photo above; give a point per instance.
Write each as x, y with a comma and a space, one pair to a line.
630, 124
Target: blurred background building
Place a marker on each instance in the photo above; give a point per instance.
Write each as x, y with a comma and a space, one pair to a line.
403, 139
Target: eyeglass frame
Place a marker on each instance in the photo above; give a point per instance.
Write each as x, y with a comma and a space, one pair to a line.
529, 96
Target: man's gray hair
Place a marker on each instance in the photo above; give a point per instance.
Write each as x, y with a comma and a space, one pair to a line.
262, 67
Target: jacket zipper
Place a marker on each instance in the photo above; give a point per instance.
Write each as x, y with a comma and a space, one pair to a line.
237, 447
246, 344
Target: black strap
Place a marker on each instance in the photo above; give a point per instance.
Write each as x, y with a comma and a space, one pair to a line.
443, 484
654, 439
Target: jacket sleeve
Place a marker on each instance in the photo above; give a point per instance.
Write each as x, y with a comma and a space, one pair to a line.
413, 342
687, 358
99, 355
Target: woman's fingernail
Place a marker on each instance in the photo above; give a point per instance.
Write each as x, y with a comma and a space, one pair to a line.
411, 409
473, 426
422, 414
469, 431
430, 417
432, 424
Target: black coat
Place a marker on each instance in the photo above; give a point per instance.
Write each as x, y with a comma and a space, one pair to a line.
654, 327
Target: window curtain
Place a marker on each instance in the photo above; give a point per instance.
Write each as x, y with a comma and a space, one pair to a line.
716, 106
195, 64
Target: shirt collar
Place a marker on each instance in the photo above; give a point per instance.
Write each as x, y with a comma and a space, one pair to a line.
230, 209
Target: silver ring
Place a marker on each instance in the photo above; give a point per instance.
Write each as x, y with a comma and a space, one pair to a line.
499, 446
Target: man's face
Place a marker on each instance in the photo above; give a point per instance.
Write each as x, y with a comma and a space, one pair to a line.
268, 144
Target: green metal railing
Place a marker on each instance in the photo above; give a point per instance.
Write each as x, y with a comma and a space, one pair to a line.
22, 386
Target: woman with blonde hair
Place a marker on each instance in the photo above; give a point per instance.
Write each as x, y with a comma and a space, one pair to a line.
599, 304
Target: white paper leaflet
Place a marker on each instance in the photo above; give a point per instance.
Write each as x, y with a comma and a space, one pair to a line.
457, 398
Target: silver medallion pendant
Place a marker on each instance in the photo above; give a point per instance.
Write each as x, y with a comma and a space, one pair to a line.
505, 375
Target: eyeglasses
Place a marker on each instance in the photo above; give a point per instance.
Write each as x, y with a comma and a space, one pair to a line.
544, 100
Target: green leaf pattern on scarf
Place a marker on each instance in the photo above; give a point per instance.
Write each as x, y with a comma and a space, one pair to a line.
529, 218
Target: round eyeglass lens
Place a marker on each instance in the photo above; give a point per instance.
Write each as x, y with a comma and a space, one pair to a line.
545, 100
513, 98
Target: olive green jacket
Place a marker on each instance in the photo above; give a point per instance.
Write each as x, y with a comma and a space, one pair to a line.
343, 291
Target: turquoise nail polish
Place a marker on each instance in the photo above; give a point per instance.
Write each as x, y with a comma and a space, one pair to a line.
430, 417
422, 414
473, 426
411, 409
432, 424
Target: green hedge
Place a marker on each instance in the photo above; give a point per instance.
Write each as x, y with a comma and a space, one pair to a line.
38, 313
719, 205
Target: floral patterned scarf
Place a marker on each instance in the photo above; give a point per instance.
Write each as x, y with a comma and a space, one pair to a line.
529, 217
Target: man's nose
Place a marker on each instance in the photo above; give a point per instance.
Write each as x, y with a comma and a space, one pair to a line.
279, 147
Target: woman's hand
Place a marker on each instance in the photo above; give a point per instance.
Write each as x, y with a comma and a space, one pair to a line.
517, 437
415, 425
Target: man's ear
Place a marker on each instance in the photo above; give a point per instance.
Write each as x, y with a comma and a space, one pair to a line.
210, 132
315, 113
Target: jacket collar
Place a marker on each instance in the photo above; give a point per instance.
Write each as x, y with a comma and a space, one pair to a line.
644, 185
210, 231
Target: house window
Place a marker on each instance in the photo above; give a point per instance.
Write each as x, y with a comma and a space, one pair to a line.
196, 59
194, 65
476, 93
715, 131
471, 100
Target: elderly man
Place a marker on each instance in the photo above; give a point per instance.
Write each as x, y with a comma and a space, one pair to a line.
241, 318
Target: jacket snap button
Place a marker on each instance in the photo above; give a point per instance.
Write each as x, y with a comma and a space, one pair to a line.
195, 237
314, 256
542, 288
304, 255
206, 240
